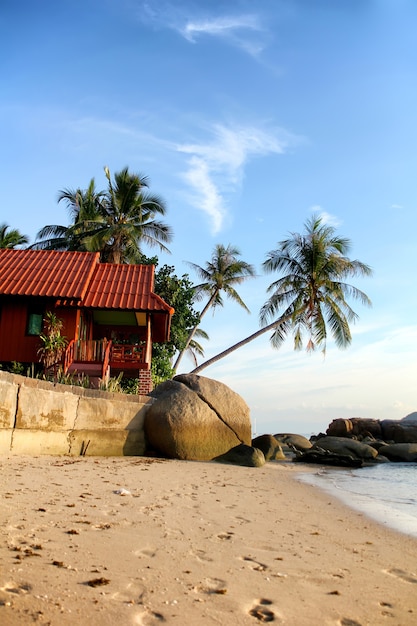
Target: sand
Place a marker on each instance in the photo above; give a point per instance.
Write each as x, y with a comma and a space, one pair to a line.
142, 541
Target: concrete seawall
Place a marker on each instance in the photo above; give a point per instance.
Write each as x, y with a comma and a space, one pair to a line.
38, 417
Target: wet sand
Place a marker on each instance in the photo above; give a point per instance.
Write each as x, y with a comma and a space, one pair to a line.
104, 541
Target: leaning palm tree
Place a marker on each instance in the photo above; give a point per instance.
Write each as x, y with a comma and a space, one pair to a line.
129, 219
12, 238
221, 274
312, 292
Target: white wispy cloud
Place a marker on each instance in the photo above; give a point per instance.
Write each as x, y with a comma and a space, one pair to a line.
217, 166
244, 31
214, 167
208, 198
220, 26
327, 218
237, 30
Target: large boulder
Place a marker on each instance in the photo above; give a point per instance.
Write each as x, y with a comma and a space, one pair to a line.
400, 452
248, 456
346, 447
325, 457
196, 418
400, 431
292, 440
270, 447
358, 427
411, 417
340, 428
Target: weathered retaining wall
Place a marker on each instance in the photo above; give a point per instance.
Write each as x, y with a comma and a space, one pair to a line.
38, 417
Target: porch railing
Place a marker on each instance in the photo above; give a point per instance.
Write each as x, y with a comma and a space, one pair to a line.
102, 351
126, 353
69, 355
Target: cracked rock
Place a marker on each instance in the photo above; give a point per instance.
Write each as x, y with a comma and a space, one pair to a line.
196, 418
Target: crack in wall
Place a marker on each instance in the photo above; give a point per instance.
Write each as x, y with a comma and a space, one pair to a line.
69, 441
15, 418
17, 407
74, 426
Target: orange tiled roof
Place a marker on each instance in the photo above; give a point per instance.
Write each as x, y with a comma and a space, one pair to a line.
46, 273
124, 287
79, 276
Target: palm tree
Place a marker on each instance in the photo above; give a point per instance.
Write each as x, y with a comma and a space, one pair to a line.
195, 349
221, 274
115, 222
11, 239
312, 291
129, 219
85, 208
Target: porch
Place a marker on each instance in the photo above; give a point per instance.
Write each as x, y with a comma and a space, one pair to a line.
102, 358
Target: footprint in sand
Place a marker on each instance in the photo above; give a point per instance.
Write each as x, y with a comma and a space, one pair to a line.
408, 577
212, 585
132, 594
262, 611
201, 556
17, 589
259, 567
226, 535
149, 618
173, 533
148, 552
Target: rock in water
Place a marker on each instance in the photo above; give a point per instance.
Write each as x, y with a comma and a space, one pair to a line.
270, 447
325, 457
400, 431
359, 427
400, 452
348, 447
411, 417
196, 418
294, 441
248, 456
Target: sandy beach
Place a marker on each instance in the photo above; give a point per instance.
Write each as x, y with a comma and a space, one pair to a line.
143, 541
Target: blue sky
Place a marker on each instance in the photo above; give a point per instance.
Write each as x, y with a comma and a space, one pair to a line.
247, 117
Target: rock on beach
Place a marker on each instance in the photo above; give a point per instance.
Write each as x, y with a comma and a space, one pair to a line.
196, 418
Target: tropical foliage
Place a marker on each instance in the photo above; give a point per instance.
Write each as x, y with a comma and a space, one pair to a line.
311, 297
179, 292
53, 344
85, 208
116, 222
220, 275
11, 238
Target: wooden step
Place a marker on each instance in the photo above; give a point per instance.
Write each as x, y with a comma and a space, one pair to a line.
89, 369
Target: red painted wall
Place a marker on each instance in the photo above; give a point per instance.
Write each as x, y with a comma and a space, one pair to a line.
15, 344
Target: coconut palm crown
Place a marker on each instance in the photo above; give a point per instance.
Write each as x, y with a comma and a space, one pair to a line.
10, 238
220, 275
311, 296
115, 222
85, 208
129, 219
313, 288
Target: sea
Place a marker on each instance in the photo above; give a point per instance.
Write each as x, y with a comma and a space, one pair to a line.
385, 492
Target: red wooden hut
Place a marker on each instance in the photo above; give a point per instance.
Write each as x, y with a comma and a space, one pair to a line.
110, 313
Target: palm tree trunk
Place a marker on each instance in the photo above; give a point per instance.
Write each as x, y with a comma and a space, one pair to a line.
241, 343
192, 332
